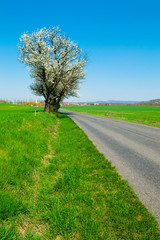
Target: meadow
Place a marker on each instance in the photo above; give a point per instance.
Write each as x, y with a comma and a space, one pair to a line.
54, 183
148, 115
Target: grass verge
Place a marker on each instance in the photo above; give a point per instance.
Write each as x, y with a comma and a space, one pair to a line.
56, 185
147, 115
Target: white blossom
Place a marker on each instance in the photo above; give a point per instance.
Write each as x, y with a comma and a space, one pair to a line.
55, 63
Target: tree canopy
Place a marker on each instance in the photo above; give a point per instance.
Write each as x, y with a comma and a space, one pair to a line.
56, 64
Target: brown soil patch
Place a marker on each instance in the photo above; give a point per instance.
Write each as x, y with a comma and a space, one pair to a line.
38, 229
46, 157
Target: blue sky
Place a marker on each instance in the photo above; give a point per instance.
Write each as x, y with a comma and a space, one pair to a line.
122, 39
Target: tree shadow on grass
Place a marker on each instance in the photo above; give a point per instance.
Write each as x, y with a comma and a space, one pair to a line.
66, 113
62, 115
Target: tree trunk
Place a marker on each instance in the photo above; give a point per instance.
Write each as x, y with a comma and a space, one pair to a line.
56, 107
47, 106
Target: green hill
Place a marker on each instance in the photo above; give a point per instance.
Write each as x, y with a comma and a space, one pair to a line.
154, 102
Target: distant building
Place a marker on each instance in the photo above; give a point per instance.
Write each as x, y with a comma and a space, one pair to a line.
83, 104
68, 104
96, 104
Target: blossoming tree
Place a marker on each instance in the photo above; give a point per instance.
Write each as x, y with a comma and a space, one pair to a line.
56, 65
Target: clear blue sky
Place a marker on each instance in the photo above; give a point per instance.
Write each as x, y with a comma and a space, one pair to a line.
122, 39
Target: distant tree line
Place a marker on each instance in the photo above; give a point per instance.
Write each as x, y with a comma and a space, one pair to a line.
23, 102
5, 101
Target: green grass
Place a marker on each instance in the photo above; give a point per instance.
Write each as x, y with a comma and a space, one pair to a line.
54, 184
148, 115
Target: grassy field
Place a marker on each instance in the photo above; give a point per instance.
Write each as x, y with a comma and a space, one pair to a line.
149, 115
54, 184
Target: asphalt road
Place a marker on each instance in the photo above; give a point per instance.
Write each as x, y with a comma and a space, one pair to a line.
133, 149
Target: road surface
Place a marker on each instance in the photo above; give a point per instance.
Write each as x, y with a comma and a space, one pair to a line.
132, 148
